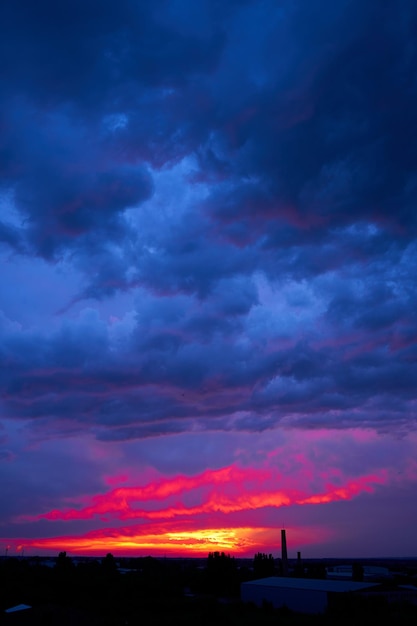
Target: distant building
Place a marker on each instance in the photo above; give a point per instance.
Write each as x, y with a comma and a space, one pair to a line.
345, 572
305, 595
17, 608
18, 615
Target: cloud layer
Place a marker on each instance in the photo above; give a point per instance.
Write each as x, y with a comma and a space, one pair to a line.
207, 228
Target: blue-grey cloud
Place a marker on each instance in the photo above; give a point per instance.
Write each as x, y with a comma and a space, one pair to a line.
245, 173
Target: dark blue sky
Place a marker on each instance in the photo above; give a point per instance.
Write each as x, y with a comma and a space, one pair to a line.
208, 227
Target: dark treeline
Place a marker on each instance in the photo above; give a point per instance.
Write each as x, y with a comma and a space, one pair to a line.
116, 592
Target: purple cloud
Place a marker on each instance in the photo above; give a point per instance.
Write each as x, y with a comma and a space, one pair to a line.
208, 238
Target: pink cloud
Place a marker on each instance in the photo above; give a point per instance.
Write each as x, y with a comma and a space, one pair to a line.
227, 490
116, 480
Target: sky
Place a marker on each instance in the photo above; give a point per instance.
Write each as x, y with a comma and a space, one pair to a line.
208, 248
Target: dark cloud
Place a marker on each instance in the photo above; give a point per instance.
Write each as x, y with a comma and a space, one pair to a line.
91, 54
247, 171
185, 365
301, 132
345, 155
10, 236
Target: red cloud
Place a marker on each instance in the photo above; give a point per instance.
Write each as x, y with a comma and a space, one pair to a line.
227, 490
197, 514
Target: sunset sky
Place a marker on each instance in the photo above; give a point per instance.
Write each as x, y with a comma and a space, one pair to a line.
208, 284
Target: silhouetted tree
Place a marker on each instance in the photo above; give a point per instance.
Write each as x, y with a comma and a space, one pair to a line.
263, 565
64, 564
109, 564
110, 575
222, 573
219, 562
64, 579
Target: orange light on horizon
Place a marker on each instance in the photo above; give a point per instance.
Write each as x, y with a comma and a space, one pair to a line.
183, 542
239, 541
172, 514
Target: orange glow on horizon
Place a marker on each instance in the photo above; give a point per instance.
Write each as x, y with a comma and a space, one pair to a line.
237, 541
181, 542
183, 515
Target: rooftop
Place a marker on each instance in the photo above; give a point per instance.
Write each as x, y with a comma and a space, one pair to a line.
313, 584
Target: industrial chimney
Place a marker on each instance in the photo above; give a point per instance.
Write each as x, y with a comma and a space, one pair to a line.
284, 556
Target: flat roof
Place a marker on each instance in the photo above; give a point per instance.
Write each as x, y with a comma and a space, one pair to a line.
312, 584
18, 607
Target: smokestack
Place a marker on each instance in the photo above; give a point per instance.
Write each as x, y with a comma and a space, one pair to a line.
299, 566
284, 556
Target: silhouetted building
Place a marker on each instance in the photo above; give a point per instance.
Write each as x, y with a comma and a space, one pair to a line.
299, 566
284, 555
346, 572
305, 595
